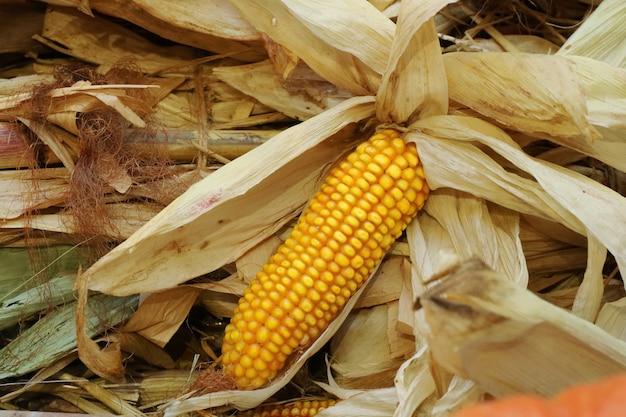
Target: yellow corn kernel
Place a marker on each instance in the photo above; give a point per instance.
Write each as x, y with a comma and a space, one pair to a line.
339, 239
300, 408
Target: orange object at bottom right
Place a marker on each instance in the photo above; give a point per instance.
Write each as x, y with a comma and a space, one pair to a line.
606, 398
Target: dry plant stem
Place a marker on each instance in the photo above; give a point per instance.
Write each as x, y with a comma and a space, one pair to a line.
201, 116
106, 397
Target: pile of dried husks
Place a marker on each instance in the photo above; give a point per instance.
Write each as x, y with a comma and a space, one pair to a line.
311, 207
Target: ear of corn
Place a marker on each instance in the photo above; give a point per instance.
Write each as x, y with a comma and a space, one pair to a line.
294, 409
363, 206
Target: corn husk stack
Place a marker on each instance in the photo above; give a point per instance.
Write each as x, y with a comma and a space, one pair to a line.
154, 154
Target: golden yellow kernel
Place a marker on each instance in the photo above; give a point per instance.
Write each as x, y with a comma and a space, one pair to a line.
357, 262
342, 260
262, 335
386, 181
364, 205
319, 264
359, 213
346, 230
382, 160
272, 323
369, 177
362, 184
382, 210
362, 235
327, 276
306, 305
348, 273
313, 295
326, 254
412, 159
394, 171
396, 193
374, 168
335, 289
374, 218
355, 172
333, 245
356, 192
408, 174
299, 288
348, 251
369, 227
345, 207
298, 314
341, 188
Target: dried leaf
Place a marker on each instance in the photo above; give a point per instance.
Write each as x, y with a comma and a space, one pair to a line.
260, 81
599, 208
160, 314
589, 296
414, 80
602, 35
535, 94
235, 210
100, 41
290, 25
612, 318
488, 329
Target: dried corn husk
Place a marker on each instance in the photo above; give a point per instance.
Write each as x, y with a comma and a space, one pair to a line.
601, 36
577, 199
160, 314
195, 26
483, 327
612, 318
218, 200
53, 336
346, 44
367, 349
260, 81
22, 305
99, 41
414, 80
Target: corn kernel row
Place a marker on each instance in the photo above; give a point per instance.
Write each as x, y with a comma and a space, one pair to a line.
293, 409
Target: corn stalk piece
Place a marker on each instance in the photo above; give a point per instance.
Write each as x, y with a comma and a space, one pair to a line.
55, 335
484, 327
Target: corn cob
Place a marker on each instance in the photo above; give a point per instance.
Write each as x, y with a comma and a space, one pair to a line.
294, 409
363, 206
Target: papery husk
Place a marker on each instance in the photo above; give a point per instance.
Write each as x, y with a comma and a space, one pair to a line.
612, 318
537, 101
251, 262
601, 36
236, 209
415, 79
468, 220
100, 41
161, 386
482, 326
17, 195
124, 220
387, 284
54, 336
344, 43
546, 96
523, 43
569, 198
24, 304
368, 403
367, 350
260, 81
160, 314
